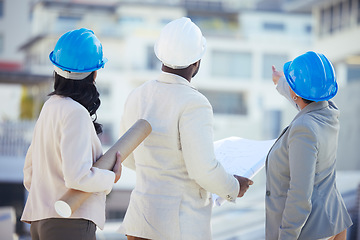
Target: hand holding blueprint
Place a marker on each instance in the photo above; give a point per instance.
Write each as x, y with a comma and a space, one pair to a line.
242, 157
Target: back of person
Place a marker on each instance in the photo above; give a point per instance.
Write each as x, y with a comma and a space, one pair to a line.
163, 105
176, 168
65, 145
302, 201
324, 124
160, 165
51, 132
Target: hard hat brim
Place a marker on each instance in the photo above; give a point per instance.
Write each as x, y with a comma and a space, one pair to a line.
101, 65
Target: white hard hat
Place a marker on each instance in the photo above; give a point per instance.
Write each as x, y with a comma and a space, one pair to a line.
180, 44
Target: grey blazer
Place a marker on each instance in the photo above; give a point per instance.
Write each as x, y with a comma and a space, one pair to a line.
302, 201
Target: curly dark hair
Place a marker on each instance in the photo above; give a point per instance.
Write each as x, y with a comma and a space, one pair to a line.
82, 91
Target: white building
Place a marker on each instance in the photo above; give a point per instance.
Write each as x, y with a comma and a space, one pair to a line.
14, 30
235, 73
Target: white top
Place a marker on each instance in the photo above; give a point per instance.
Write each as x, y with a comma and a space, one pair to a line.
176, 168
62, 152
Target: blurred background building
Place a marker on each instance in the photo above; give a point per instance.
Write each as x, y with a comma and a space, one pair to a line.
245, 38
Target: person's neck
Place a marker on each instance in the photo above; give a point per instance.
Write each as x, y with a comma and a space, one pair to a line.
301, 103
185, 73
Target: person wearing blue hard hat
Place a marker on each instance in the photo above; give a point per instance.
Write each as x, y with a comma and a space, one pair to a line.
302, 201
65, 145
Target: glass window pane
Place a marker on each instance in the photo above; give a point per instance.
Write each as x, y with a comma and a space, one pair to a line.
1, 8
271, 26
1, 43
353, 73
272, 125
272, 59
233, 103
152, 62
231, 64
66, 23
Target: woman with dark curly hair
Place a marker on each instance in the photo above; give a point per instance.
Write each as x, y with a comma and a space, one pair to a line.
65, 145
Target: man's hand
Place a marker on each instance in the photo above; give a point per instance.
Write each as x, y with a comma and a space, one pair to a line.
244, 184
276, 75
117, 167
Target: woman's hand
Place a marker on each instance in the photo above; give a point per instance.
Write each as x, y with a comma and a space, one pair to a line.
117, 167
276, 75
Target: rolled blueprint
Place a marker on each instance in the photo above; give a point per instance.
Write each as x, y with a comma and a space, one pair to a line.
73, 199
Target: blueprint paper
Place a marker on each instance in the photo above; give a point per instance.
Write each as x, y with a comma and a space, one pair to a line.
242, 157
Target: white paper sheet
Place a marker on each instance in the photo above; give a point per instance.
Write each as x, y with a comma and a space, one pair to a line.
242, 157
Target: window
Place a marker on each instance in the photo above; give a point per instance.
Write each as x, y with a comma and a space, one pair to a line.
331, 12
353, 73
130, 20
66, 23
358, 12
272, 59
346, 14
233, 103
340, 15
107, 136
104, 90
231, 64
271, 126
325, 23
336, 17
215, 24
164, 21
272, 26
1, 8
1, 43
152, 62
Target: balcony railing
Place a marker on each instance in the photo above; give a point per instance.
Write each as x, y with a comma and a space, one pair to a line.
15, 137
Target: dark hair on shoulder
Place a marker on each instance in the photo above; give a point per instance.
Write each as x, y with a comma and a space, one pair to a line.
82, 91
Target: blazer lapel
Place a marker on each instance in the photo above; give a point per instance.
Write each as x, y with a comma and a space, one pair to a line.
311, 107
282, 133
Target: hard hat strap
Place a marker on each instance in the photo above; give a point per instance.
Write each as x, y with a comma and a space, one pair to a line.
71, 75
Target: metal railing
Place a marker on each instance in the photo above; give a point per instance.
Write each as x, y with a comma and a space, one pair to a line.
15, 137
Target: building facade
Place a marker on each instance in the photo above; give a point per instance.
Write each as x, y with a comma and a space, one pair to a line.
336, 34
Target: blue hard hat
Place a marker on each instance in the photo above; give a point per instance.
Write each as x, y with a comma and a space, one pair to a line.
311, 76
78, 51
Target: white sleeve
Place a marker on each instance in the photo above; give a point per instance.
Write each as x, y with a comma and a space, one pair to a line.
28, 169
77, 156
196, 136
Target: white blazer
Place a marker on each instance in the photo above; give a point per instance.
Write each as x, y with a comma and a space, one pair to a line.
175, 166
63, 149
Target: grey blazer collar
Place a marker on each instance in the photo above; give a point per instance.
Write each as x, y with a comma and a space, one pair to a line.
312, 107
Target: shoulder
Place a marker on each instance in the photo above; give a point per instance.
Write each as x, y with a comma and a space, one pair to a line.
68, 108
304, 124
197, 96
145, 87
